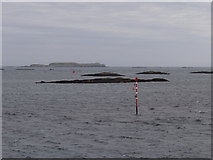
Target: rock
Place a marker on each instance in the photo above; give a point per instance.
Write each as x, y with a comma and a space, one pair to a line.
107, 80
103, 74
198, 120
176, 106
139, 67
153, 80
205, 72
201, 111
26, 69
152, 72
60, 148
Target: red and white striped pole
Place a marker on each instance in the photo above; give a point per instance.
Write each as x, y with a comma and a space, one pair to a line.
136, 95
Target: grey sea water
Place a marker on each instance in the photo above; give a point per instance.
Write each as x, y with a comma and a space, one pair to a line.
98, 120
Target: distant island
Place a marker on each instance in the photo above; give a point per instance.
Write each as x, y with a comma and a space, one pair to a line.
152, 72
68, 64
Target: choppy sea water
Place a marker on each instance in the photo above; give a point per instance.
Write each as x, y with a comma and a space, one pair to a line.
98, 120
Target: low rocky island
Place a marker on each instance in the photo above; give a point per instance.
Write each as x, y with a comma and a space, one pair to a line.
103, 74
68, 64
25, 69
204, 72
106, 80
139, 67
152, 72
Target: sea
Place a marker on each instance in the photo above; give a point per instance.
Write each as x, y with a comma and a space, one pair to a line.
99, 120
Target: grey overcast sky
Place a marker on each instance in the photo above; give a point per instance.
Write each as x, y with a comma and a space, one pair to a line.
116, 34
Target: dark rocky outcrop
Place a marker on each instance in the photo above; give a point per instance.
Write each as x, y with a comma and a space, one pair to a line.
103, 74
186, 67
25, 69
204, 72
107, 80
139, 67
152, 72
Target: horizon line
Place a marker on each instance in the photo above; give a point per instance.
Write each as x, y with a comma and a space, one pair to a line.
105, 66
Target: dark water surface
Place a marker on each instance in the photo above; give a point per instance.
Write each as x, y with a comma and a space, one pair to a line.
98, 120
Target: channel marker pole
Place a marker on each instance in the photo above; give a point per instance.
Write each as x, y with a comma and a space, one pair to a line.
136, 94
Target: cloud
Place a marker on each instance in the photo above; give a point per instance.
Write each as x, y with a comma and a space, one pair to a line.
130, 19
71, 26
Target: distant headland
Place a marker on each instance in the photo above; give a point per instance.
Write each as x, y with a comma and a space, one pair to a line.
68, 64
